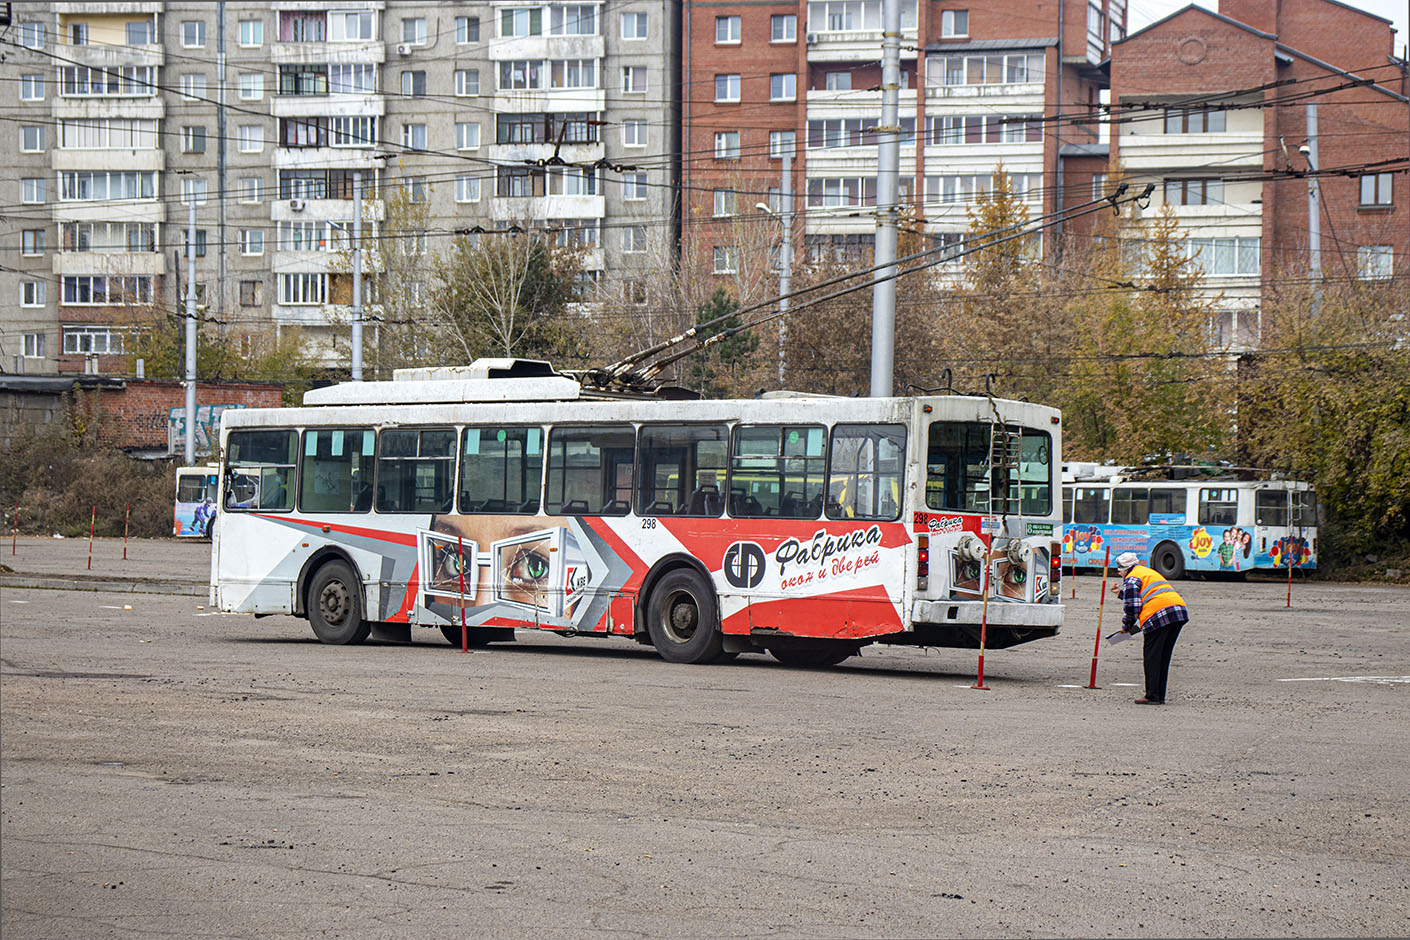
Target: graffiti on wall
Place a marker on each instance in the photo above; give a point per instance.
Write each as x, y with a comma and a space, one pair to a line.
207, 430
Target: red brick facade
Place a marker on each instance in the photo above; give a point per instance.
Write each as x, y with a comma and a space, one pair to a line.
137, 416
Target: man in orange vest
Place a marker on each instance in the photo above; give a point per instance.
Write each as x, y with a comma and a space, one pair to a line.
1151, 606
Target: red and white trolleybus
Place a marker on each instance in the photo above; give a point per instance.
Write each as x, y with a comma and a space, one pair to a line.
506, 497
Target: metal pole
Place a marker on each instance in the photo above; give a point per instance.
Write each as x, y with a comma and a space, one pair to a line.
785, 258
220, 157
883, 292
191, 331
1314, 218
357, 278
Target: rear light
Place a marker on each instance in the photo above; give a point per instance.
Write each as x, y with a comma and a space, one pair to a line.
922, 560
1056, 576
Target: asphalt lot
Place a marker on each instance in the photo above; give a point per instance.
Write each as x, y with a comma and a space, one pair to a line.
165, 769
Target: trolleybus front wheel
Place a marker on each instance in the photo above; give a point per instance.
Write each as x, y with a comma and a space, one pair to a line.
335, 606
683, 619
1168, 562
813, 657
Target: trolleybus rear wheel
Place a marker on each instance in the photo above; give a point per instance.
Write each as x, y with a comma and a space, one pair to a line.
812, 657
335, 606
683, 619
1167, 560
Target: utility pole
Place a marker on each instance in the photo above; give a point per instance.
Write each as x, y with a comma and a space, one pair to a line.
191, 331
785, 258
357, 278
883, 292
1314, 217
220, 155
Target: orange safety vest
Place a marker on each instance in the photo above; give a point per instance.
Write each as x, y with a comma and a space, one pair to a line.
1156, 592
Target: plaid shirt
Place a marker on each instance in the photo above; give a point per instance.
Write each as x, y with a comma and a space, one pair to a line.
1131, 610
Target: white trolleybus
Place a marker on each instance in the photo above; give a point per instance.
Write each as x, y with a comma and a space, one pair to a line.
504, 496
1189, 519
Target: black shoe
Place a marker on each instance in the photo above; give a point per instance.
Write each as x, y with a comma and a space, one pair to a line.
1150, 701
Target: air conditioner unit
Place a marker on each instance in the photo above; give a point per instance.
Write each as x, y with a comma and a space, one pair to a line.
296, 205
404, 48
813, 37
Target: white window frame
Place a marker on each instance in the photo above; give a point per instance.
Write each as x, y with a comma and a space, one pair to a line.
31, 35
1375, 262
462, 30
630, 75
634, 186
730, 27
725, 260
32, 87
32, 242
408, 136
838, 81
777, 147
194, 187
465, 138
251, 30
32, 293
251, 138
338, 20
32, 345
33, 190
727, 145
37, 132
251, 241
639, 26
726, 203
463, 84
954, 23
112, 340
193, 26
789, 24
303, 289
191, 135
789, 81
1380, 195
251, 86
416, 26
193, 86
634, 239
243, 191
639, 130
727, 89
408, 83
468, 189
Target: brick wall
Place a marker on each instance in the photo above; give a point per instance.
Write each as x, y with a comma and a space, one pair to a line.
138, 415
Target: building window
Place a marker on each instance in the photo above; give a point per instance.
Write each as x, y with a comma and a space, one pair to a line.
34, 345
467, 29
78, 34
521, 22
727, 29
193, 85
838, 81
633, 133
32, 294
32, 189
353, 131
251, 138
413, 30
634, 79
467, 136
249, 293
781, 144
1376, 189
634, 186
633, 25
141, 33
573, 20
193, 34
726, 259
31, 87
251, 86
32, 35
634, 239
249, 189
572, 73
1194, 121
1374, 262
725, 201
32, 241
251, 241
413, 83
1194, 192
727, 145
200, 242
347, 26
1224, 257
783, 86
420, 188
467, 82
413, 136
467, 189
32, 139
1098, 186
193, 139
783, 27
303, 289
91, 341
726, 88
89, 290
252, 32
193, 189
954, 23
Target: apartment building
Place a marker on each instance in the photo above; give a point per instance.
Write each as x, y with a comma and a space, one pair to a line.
981, 84
269, 116
1283, 88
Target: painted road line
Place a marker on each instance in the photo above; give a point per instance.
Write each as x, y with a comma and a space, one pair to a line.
1381, 680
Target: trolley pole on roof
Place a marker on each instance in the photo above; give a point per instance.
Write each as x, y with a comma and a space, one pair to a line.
883, 295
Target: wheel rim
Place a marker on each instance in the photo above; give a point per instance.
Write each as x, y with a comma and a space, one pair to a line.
682, 617
334, 602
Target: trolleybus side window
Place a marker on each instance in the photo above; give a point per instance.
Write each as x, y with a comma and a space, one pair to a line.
777, 470
590, 470
1169, 502
501, 469
259, 469
1304, 508
1092, 504
866, 471
957, 466
1130, 505
1270, 507
681, 469
1218, 506
336, 475
416, 470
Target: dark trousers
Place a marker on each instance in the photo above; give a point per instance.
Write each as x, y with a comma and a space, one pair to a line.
1160, 643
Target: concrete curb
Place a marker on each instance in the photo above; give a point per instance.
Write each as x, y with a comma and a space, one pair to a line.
183, 588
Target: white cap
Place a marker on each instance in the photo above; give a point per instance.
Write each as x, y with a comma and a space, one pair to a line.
1127, 560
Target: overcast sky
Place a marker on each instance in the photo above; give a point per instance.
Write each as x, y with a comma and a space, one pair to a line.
1142, 13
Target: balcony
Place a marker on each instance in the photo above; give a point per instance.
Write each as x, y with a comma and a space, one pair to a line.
109, 262
324, 210
101, 159
538, 208
102, 55
329, 53
1142, 153
547, 47
520, 153
534, 100
857, 45
325, 158
303, 106
136, 210
110, 106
